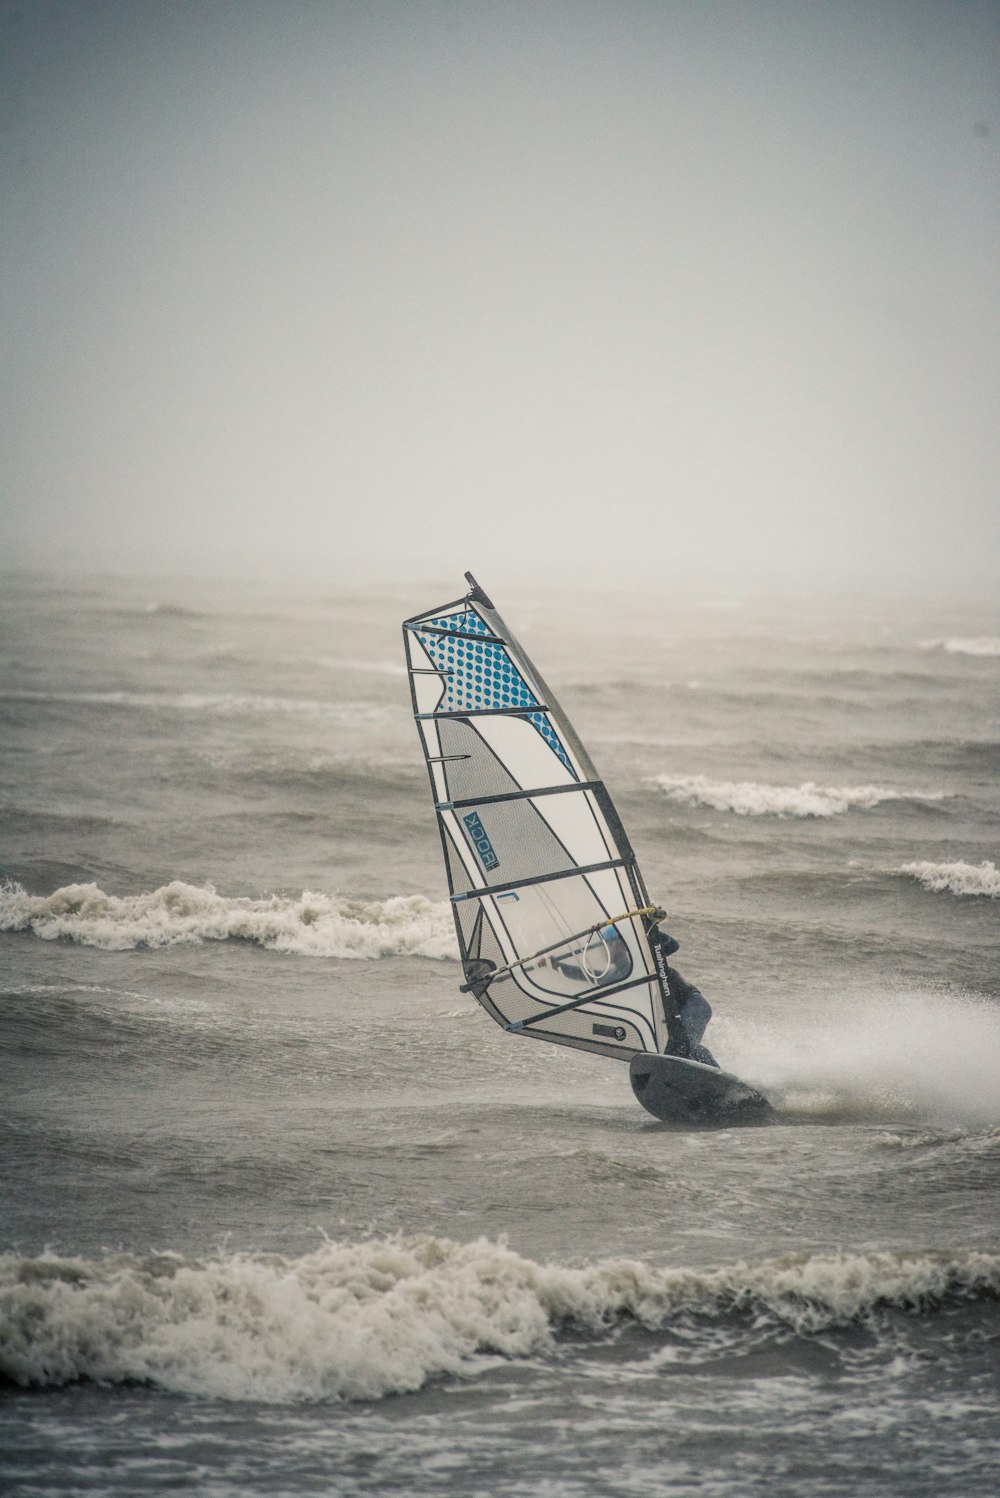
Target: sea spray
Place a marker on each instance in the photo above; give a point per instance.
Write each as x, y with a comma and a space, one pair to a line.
875, 1054
309, 925
374, 1318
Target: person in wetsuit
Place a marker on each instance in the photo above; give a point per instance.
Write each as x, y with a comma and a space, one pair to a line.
694, 1009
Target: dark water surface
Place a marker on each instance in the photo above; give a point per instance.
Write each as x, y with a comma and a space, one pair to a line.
283, 1212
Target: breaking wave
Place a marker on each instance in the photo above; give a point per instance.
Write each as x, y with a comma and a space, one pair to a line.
747, 798
308, 925
370, 1319
978, 645
956, 878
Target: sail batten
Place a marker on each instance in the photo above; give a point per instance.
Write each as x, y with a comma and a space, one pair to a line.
478, 712
516, 884
538, 790
551, 913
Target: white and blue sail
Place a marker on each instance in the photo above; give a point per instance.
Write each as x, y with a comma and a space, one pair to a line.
551, 912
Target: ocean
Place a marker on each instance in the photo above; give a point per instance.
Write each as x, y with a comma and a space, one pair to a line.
283, 1212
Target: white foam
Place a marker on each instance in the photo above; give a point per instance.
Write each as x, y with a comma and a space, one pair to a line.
956, 878
747, 798
309, 925
364, 1320
977, 645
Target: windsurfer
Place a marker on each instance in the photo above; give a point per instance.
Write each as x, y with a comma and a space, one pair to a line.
692, 1006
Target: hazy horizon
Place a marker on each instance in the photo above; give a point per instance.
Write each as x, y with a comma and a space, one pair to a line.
580, 291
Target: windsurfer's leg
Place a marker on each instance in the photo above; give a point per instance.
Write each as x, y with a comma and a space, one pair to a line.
696, 1012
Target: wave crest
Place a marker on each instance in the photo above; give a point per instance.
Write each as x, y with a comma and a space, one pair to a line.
308, 925
224, 703
747, 798
365, 1320
956, 878
977, 645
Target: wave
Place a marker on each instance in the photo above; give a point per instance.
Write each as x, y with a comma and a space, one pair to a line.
978, 645
169, 611
747, 798
956, 878
210, 702
308, 925
937, 1139
370, 1319
371, 667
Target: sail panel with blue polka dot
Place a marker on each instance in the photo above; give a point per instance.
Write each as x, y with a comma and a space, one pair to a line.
481, 674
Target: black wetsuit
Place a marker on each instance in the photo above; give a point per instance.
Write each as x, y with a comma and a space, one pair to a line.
695, 1012
693, 1008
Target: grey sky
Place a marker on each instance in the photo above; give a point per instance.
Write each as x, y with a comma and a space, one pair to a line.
346, 288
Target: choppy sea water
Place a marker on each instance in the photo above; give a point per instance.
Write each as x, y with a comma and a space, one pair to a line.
283, 1212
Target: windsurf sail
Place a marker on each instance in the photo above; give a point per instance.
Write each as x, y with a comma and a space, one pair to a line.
551, 913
